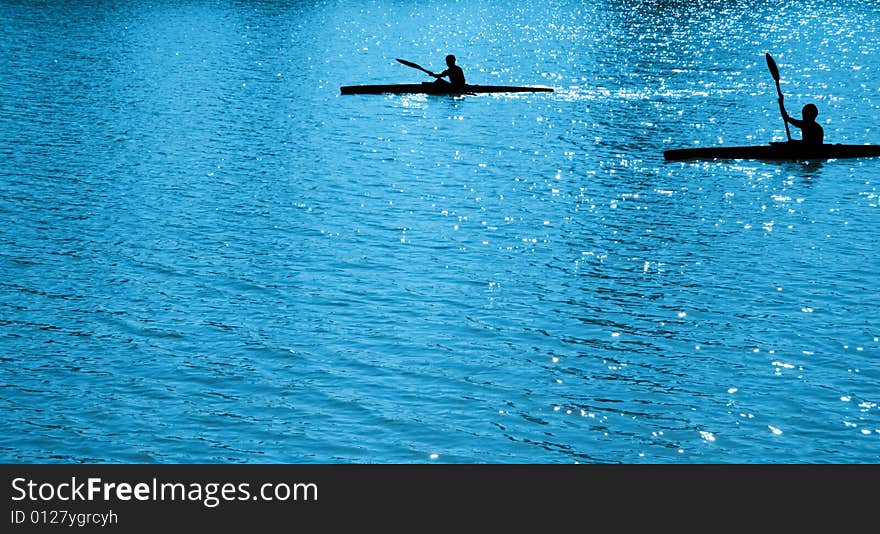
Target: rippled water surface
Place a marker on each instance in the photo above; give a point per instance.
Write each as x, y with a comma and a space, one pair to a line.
207, 254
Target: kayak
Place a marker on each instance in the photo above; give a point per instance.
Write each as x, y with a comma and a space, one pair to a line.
792, 150
430, 88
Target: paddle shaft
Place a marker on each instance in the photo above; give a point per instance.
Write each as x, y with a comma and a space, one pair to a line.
415, 66
774, 71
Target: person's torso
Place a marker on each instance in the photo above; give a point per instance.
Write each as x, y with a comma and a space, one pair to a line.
813, 133
456, 75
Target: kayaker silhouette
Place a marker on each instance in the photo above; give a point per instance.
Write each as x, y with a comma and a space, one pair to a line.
811, 132
453, 72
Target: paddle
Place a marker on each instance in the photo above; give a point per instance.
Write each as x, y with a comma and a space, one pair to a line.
415, 66
774, 71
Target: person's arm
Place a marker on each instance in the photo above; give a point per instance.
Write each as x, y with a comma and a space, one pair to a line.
797, 122
788, 118
442, 74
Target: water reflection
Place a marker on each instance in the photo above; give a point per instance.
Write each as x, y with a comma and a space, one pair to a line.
806, 170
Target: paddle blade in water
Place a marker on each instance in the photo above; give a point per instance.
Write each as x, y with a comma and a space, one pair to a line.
774, 70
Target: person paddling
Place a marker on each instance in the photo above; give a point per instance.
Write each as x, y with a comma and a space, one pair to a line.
811, 132
453, 72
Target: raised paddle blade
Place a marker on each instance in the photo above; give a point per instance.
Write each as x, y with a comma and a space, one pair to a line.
771, 64
774, 71
414, 65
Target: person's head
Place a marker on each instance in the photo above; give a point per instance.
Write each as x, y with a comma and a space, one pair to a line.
810, 112
450, 60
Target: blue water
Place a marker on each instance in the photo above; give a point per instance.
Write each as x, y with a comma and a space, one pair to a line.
207, 254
